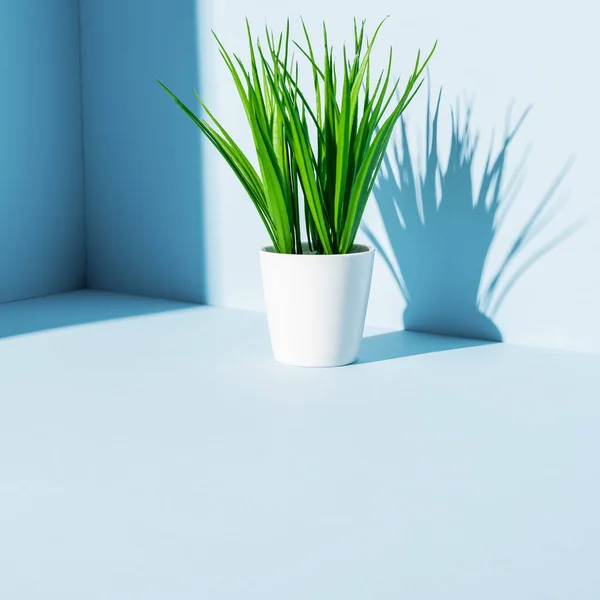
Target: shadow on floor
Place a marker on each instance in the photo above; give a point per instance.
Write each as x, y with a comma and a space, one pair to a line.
77, 308
400, 344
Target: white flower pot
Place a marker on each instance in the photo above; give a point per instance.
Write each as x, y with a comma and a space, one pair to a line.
316, 305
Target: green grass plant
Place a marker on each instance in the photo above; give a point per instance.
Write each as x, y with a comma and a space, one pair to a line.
322, 150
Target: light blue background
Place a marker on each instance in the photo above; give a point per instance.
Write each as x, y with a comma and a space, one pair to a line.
520, 55
41, 179
165, 216
153, 471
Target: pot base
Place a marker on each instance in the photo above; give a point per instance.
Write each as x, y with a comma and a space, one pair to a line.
311, 365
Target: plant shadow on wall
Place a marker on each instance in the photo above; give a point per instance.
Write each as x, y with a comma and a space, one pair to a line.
440, 222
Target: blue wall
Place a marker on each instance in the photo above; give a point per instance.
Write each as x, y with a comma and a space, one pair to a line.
523, 266
142, 158
41, 180
139, 223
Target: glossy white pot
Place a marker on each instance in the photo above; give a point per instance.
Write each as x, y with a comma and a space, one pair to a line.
316, 305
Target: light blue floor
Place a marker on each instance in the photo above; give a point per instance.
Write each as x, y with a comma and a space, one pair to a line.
166, 456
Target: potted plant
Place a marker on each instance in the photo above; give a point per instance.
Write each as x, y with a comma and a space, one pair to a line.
318, 159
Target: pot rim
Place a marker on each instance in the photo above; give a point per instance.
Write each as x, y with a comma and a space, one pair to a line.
364, 249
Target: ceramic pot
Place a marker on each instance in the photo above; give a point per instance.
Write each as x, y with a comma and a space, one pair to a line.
316, 305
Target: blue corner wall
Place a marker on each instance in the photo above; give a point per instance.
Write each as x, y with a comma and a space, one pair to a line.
102, 177
42, 248
142, 160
